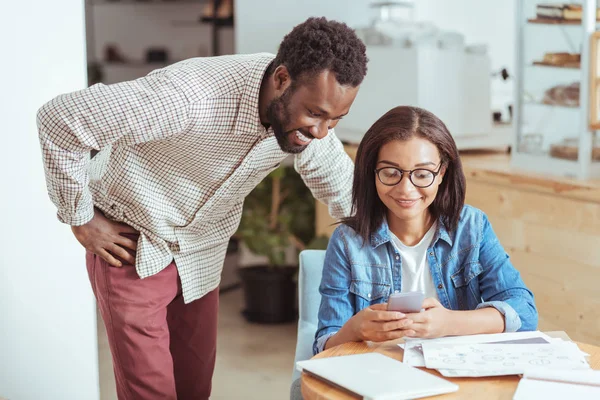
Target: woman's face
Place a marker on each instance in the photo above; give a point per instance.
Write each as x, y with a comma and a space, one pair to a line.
405, 200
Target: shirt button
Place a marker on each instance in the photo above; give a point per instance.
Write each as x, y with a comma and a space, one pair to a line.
174, 247
397, 257
431, 253
440, 286
369, 295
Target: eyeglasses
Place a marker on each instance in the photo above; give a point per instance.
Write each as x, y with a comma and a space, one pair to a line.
420, 177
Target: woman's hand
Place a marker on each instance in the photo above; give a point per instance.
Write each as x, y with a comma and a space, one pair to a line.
434, 322
377, 324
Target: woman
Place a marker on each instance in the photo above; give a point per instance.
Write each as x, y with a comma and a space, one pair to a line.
412, 232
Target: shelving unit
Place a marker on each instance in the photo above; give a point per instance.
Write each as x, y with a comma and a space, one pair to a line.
549, 21
541, 104
542, 130
548, 65
138, 64
595, 82
142, 2
133, 26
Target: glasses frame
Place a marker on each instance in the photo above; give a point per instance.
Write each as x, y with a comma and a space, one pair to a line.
410, 172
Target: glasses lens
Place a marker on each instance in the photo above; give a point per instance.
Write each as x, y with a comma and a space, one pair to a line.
422, 177
389, 176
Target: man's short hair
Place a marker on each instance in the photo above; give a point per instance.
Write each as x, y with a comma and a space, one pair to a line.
317, 45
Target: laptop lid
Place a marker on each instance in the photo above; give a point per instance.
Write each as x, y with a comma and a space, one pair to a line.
377, 377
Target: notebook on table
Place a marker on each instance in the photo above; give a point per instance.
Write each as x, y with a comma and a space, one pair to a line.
376, 377
559, 385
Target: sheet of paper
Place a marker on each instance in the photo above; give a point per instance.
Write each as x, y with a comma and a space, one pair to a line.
587, 377
485, 359
554, 340
413, 353
473, 373
536, 389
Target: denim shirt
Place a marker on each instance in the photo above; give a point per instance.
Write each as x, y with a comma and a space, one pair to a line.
469, 267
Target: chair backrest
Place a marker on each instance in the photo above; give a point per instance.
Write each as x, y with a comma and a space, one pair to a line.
309, 300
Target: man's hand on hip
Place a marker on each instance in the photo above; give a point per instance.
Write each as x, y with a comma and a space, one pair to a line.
105, 238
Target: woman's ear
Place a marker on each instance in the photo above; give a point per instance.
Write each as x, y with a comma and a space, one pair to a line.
441, 174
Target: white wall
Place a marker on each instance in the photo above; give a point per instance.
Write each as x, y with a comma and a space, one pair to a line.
48, 343
260, 25
480, 21
489, 22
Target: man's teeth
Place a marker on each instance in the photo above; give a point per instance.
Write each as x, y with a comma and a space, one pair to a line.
302, 137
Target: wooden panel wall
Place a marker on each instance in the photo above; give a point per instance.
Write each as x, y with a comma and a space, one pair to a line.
554, 242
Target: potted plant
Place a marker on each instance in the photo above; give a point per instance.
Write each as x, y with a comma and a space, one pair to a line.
278, 214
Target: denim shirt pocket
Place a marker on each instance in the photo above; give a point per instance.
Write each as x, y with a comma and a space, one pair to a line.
370, 285
466, 285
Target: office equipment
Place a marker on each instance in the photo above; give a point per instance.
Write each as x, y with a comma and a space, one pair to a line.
375, 376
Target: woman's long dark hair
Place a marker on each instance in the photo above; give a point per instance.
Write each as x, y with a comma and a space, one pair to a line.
403, 123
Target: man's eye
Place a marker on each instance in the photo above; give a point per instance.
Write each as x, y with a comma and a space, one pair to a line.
314, 114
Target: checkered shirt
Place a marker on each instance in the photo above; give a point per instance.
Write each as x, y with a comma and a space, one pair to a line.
179, 151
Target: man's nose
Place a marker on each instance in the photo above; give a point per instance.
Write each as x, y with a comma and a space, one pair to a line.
320, 130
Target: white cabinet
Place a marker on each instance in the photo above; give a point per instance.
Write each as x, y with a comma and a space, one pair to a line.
454, 84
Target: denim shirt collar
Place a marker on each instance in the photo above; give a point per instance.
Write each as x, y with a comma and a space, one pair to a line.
382, 234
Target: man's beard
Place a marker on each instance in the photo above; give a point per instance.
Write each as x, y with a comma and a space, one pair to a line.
279, 116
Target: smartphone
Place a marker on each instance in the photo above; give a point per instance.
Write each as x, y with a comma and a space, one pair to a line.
406, 302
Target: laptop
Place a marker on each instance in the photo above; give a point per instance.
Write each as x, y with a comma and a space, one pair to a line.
376, 377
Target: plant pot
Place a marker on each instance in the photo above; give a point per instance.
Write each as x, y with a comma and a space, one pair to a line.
269, 294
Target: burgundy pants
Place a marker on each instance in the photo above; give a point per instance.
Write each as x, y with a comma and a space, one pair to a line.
161, 348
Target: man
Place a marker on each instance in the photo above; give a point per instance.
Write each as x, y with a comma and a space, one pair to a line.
179, 151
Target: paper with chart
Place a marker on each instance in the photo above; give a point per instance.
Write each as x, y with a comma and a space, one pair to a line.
413, 353
485, 359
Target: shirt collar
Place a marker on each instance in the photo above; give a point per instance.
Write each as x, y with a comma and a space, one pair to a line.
248, 117
382, 234
442, 233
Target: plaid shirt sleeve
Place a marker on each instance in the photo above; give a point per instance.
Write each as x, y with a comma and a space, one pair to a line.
71, 125
328, 172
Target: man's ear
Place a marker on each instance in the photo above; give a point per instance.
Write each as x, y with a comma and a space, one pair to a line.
281, 79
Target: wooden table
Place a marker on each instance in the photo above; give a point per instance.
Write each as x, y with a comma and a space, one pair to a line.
492, 388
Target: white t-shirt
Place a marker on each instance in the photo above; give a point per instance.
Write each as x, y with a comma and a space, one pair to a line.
416, 275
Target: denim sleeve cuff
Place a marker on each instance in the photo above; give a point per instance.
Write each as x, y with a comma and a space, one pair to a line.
319, 345
512, 321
